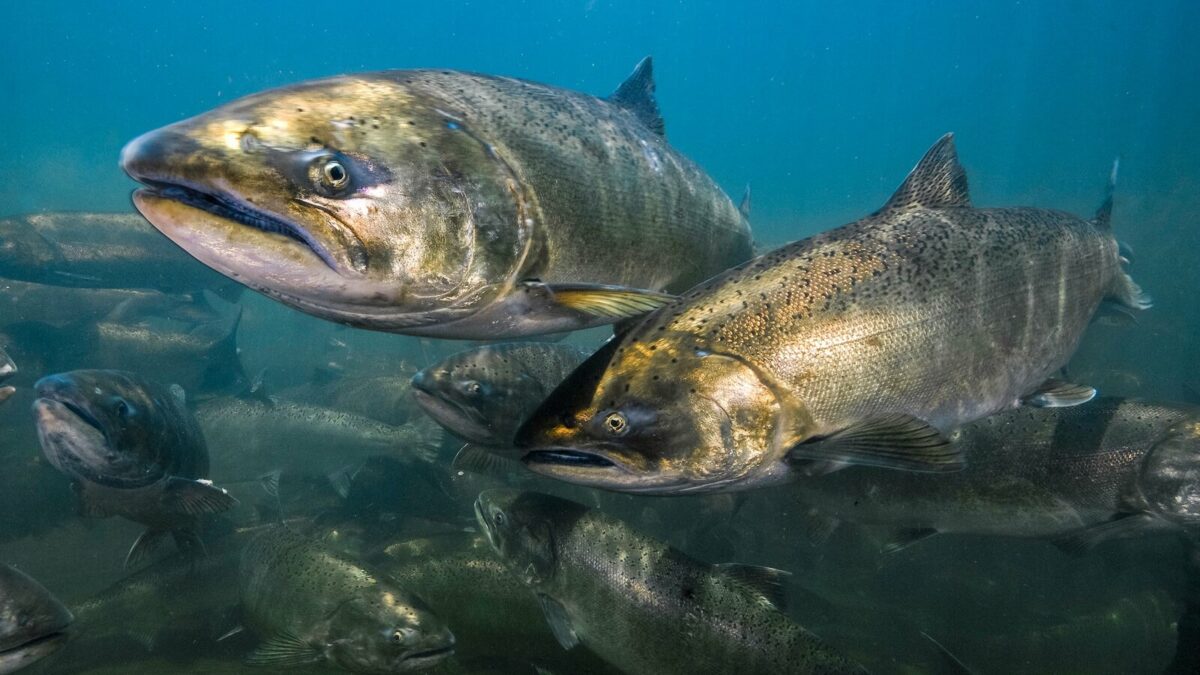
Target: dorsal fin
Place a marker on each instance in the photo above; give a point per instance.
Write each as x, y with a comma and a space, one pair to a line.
636, 94
937, 181
1103, 219
744, 206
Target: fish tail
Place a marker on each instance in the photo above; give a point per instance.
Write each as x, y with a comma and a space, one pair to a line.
1103, 217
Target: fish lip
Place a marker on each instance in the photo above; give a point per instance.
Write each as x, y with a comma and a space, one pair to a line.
568, 457
227, 207
429, 655
55, 636
83, 415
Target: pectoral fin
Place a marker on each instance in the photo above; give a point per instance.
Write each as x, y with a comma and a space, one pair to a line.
195, 497
766, 581
608, 302
283, 649
143, 546
560, 623
890, 441
472, 458
1055, 393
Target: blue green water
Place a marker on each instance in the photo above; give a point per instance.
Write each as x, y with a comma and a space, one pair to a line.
820, 107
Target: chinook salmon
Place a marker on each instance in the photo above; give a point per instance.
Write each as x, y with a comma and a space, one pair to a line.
442, 203
130, 448
862, 345
641, 605
1077, 476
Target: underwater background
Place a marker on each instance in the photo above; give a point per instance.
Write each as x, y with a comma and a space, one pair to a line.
821, 108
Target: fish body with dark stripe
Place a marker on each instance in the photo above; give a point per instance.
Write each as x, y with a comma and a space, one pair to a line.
441, 203
862, 345
640, 604
1045, 472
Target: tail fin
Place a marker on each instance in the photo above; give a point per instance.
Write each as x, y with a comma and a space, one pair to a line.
1127, 293
1103, 218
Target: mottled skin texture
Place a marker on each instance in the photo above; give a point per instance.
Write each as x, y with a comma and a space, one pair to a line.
250, 438
640, 604
32, 621
451, 190
97, 250
490, 611
483, 395
946, 313
1037, 472
348, 616
132, 438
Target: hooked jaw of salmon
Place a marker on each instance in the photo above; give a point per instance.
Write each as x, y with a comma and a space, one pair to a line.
344, 198
635, 431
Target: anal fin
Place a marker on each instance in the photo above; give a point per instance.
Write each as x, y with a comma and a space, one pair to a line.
896, 441
1084, 539
1055, 393
143, 546
902, 539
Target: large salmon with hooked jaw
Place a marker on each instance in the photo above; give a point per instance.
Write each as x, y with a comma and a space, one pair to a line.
862, 345
442, 203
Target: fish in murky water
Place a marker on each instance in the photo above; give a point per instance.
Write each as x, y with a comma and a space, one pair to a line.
1113, 468
310, 605
640, 604
442, 203
25, 302
862, 345
250, 438
490, 611
385, 398
98, 250
7, 370
33, 622
131, 449
482, 395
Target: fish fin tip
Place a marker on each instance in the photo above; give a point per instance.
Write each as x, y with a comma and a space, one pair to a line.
610, 302
636, 94
906, 537
283, 649
896, 441
1127, 293
559, 621
744, 205
196, 497
766, 581
954, 663
1055, 393
1080, 541
143, 546
937, 181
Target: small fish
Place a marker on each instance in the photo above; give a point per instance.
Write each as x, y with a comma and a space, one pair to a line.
7, 370
641, 605
33, 623
482, 395
310, 605
442, 203
863, 345
130, 448
1076, 476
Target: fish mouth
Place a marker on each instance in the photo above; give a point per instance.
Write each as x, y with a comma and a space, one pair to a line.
566, 457
32, 650
428, 656
232, 209
457, 419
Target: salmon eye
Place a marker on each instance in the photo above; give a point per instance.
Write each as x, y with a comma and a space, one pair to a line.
498, 517
616, 424
335, 174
